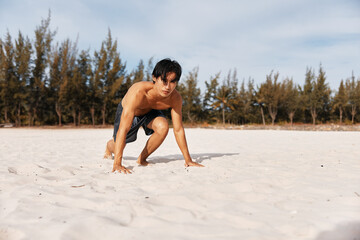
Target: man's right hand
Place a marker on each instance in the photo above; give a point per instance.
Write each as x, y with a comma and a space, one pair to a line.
121, 169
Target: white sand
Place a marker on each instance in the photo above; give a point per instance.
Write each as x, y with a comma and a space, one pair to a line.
277, 185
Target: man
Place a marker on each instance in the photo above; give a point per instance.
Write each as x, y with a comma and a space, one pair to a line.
141, 106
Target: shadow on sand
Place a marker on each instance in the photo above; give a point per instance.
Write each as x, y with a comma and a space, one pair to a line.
344, 231
198, 157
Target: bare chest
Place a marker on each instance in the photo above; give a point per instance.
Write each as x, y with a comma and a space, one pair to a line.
147, 105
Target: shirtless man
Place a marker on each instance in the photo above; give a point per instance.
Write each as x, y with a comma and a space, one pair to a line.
141, 106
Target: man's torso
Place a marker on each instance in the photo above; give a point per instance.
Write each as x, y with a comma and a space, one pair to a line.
144, 101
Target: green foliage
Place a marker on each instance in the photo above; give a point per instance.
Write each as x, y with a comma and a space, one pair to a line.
340, 100
22, 58
191, 97
322, 96
149, 69
291, 98
353, 91
36, 101
316, 95
223, 100
271, 94
109, 73
226, 98
209, 98
139, 74
8, 82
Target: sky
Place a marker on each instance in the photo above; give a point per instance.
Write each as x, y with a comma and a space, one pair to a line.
253, 37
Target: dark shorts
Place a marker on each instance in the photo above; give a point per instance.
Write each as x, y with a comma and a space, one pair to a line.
139, 121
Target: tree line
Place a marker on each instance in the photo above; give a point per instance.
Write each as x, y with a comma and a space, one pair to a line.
48, 83
231, 101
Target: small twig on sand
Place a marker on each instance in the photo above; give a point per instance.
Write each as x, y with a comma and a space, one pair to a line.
357, 194
78, 186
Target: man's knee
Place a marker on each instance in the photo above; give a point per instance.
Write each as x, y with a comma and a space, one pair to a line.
161, 126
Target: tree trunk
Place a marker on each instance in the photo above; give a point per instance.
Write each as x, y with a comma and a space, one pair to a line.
29, 118
58, 112
18, 122
353, 113
74, 115
223, 115
92, 110
190, 118
262, 115
103, 111
6, 114
33, 117
313, 115
291, 116
79, 118
341, 113
273, 113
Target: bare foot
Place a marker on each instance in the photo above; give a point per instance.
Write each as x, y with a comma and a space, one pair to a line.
108, 154
143, 162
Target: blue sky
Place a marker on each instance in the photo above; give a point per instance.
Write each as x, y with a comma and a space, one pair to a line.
255, 37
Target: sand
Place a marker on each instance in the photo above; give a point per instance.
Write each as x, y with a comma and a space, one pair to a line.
263, 184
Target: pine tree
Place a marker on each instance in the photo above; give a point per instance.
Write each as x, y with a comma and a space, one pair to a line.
69, 92
149, 69
250, 102
226, 95
56, 81
93, 95
353, 89
260, 101
23, 51
358, 92
2, 77
323, 92
235, 104
316, 94
272, 94
62, 88
82, 75
109, 74
191, 96
292, 98
242, 106
138, 73
223, 100
37, 85
210, 97
8, 83
340, 100
309, 94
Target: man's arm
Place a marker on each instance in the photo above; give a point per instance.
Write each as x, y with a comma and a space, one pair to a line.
127, 116
179, 132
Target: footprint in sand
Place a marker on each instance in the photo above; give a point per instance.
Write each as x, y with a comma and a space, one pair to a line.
43, 169
12, 170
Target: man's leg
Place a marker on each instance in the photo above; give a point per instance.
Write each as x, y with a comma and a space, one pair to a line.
110, 148
161, 129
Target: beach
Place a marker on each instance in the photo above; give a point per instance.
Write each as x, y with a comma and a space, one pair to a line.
256, 184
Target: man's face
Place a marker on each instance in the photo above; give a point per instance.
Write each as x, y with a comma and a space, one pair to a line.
165, 88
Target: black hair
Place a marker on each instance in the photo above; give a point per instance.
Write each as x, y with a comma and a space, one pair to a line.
165, 66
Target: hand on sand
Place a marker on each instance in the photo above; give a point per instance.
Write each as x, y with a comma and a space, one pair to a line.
121, 169
193, 164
